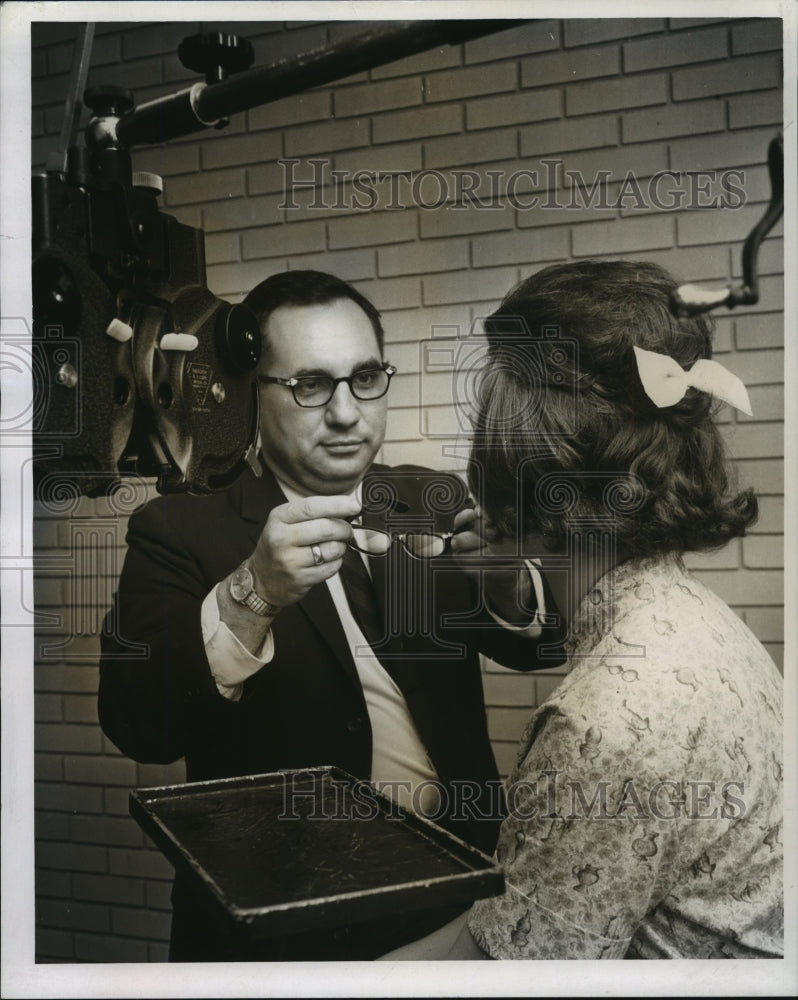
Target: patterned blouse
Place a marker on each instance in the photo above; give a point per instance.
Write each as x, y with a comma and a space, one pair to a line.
645, 809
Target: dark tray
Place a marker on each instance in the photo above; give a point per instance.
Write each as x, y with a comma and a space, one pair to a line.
295, 851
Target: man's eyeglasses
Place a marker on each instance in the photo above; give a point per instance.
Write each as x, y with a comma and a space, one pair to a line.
418, 544
318, 390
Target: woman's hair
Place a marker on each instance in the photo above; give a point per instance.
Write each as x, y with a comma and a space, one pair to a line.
565, 433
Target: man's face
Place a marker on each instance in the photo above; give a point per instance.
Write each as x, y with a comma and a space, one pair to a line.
325, 449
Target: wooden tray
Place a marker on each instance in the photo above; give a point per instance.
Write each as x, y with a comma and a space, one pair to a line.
295, 851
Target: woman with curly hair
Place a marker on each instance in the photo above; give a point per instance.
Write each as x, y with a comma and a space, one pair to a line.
645, 809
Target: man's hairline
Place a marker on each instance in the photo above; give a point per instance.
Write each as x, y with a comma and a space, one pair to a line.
264, 323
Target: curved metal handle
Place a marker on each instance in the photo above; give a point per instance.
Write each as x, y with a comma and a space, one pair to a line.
690, 300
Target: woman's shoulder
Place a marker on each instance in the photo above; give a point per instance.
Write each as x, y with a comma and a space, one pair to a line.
659, 603
671, 647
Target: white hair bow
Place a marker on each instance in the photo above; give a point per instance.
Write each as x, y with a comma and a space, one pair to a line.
666, 382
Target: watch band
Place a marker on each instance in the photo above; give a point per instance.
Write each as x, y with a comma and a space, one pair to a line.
242, 590
259, 606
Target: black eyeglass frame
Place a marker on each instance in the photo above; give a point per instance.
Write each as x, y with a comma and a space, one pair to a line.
395, 536
292, 383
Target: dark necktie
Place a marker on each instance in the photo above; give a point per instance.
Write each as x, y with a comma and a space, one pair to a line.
360, 594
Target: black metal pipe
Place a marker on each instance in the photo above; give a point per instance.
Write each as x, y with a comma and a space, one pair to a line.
201, 106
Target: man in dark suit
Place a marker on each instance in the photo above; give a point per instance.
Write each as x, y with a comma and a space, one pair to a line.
259, 657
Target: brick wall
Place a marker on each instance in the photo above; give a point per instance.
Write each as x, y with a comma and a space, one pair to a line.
629, 98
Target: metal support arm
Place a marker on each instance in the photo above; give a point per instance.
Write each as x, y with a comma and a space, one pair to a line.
202, 105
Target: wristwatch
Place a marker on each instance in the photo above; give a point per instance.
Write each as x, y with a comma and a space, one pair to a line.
242, 590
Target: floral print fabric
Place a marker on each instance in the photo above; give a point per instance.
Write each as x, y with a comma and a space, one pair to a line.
645, 810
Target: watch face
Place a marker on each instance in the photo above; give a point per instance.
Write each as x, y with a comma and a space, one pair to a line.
241, 584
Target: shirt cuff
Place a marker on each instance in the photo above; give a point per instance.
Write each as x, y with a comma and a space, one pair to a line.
230, 661
535, 628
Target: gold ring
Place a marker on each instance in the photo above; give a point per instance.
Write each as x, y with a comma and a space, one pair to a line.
318, 557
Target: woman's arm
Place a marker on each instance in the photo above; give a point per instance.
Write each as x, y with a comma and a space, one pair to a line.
453, 941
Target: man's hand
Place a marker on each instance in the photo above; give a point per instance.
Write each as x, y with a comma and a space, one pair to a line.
302, 544
472, 537
478, 545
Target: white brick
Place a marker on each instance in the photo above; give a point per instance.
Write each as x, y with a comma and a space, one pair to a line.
770, 259
755, 440
296, 40
521, 247
763, 552
425, 258
622, 92
733, 150
200, 187
758, 35
775, 651
242, 213
757, 332
351, 265
391, 293
580, 31
424, 62
745, 586
310, 105
726, 558
567, 134
507, 723
237, 279
237, 150
328, 136
402, 157
513, 109
469, 149
277, 241
376, 97
468, 286
167, 160
771, 514
477, 80
593, 239
694, 118
520, 40
567, 67
732, 77
428, 121
767, 624
766, 476
373, 228
452, 221
642, 160
749, 110
717, 224
267, 178
759, 367
767, 403
676, 50
545, 686
221, 248
771, 297
516, 690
